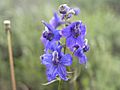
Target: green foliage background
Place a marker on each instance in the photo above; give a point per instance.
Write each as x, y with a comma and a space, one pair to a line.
102, 18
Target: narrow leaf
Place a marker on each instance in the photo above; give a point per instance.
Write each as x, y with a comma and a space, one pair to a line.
49, 82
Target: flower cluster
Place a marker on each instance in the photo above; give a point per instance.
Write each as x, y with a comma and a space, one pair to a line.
55, 57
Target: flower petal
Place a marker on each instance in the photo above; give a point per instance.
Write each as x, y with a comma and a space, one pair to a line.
46, 59
77, 11
43, 40
70, 41
66, 32
62, 72
51, 72
50, 28
55, 21
83, 59
57, 35
50, 45
58, 49
66, 60
83, 30
80, 41
78, 52
86, 48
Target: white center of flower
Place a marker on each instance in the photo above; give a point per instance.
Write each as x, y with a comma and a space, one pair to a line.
55, 58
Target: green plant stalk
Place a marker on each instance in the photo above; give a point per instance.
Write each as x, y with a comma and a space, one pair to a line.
76, 75
75, 85
60, 83
65, 47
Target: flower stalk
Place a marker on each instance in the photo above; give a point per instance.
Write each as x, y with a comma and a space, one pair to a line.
56, 58
60, 84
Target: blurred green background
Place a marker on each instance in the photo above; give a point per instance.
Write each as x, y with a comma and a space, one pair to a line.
102, 18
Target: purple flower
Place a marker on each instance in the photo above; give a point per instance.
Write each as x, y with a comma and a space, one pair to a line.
56, 21
54, 59
75, 34
44, 40
81, 56
55, 63
76, 10
79, 52
86, 48
49, 36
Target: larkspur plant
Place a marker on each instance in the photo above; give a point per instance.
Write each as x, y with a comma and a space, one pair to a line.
55, 57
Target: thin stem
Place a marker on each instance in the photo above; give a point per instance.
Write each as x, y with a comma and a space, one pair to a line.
73, 52
65, 39
60, 83
76, 75
7, 28
11, 62
68, 68
75, 85
65, 47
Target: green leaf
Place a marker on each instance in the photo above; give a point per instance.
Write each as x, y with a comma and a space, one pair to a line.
50, 82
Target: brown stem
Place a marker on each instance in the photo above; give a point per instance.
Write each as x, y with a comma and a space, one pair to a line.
7, 28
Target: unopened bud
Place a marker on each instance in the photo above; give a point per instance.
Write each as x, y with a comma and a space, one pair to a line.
63, 9
7, 24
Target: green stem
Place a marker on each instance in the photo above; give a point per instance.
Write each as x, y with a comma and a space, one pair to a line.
76, 75
69, 69
60, 83
75, 85
65, 47
65, 39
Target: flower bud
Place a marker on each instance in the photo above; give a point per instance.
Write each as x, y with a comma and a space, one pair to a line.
63, 9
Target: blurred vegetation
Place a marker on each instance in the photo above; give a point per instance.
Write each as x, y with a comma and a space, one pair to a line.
102, 18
